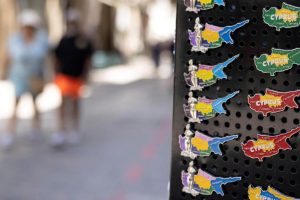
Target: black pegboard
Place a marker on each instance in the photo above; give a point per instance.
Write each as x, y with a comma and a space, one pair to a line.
281, 171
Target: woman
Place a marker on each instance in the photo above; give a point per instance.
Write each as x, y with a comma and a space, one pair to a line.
26, 52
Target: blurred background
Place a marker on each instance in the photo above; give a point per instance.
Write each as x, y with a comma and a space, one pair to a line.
125, 150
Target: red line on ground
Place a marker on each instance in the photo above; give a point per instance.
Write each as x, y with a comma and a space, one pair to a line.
148, 152
135, 172
120, 196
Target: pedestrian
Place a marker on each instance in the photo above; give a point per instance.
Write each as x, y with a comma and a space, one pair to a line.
73, 58
24, 65
160, 32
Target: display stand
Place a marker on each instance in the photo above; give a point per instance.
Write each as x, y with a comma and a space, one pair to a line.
281, 171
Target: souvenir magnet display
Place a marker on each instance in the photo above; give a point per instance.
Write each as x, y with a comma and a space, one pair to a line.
286, 17
279, 61
203, 183
198, 5
267, 146
206, 75
202, 108
257, 193
212, 36
273, 101
198, 144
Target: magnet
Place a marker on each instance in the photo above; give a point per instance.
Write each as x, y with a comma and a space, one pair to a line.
203, 183
197, 5
273, 101
198, 144
206, 75
278, 61
257, 193
211, 36
202, 108
286, 17
267, 146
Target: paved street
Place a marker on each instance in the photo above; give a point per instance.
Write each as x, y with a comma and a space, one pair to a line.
124, 155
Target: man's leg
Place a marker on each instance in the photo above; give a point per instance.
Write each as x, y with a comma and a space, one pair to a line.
62, 115
58, 137
74, 134
76, 114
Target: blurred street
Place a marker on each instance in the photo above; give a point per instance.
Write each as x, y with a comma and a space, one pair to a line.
124, 154
48, 50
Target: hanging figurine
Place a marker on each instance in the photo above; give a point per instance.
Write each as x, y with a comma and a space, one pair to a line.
198, 144
186, 143
198, 5
192, 112
188, 180
202, 108
203, 183
196, 38
278, 61
212, 36
191, 78
287, 16
206, 75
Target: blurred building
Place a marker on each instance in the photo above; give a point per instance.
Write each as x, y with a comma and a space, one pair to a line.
124, 27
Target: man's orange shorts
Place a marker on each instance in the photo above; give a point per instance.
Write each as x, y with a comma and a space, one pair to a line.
69, 86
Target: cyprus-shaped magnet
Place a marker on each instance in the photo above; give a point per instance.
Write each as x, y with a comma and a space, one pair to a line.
211, 36
287, 16
202, 76
267, 146
203, 108
198, 5
257, 193
273, 101
200, 182
199, 144
278, 61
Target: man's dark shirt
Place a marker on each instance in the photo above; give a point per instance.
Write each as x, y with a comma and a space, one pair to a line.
72, 54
